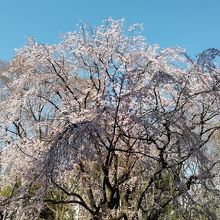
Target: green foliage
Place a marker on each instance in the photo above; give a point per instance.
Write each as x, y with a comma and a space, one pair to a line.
6, 191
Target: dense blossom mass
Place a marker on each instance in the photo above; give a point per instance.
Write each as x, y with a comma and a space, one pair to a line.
105, 126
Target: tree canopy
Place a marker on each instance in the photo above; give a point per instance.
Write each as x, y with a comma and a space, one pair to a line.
105, 126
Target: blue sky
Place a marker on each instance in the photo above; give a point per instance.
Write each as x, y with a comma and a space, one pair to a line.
192, 24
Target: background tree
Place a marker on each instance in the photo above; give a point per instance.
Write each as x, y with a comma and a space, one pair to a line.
110, 128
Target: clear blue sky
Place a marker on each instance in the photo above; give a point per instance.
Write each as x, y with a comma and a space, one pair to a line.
193, 24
